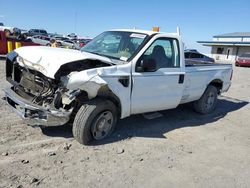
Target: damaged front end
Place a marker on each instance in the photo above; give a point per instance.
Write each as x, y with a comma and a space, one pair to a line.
38, 99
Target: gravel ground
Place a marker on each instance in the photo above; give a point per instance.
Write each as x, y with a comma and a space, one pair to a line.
179, 149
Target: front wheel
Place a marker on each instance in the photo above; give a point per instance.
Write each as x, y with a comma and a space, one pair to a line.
95, 121
208, 101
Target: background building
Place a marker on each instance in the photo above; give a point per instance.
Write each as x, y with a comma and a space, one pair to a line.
227, 47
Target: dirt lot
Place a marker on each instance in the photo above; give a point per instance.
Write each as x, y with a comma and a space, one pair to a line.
180, 149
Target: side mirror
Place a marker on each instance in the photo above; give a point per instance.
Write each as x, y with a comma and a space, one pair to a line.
146, 65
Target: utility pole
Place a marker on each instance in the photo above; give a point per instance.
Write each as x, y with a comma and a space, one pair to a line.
75, 22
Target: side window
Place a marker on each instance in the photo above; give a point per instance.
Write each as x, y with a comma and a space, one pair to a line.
220, 50
43, 32
164, 52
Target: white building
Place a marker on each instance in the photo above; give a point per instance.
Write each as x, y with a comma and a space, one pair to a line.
227, 47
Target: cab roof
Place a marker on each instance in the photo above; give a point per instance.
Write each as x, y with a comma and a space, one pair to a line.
147, 32
137, 31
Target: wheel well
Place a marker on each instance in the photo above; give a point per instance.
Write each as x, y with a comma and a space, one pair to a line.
217, 83
106, 93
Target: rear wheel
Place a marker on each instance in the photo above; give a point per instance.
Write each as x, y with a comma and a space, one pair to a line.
95, 121
208, 101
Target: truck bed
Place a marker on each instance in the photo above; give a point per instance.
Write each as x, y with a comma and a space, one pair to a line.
198, 76
194, 63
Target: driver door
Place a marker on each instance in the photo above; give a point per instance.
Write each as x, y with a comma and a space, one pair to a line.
161, 88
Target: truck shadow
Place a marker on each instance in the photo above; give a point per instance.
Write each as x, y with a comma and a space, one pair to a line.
138, 126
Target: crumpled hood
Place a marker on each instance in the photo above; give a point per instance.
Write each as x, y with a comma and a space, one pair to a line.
48, 60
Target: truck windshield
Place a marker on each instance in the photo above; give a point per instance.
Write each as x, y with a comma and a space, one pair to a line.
115, 44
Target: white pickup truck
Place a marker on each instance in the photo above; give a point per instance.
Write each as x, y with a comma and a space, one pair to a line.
118, 74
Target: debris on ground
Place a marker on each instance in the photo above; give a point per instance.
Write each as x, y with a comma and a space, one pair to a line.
66, 146
24, 161
51, 153
120, 151
5, 154
34, 180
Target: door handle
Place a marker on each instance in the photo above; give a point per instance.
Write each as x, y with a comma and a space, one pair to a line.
181, 78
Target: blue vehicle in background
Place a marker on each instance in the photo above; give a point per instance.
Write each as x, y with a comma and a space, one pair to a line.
194, 57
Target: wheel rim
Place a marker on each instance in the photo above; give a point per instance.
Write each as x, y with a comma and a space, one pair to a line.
102, 125
210, 100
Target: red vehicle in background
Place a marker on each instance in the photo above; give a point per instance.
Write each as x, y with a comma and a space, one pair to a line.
82, 42
7, 44
243, 60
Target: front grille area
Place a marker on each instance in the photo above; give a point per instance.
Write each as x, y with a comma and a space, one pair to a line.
30, 84
28, 79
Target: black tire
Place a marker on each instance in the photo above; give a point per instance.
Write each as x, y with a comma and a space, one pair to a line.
87, 119
208, 101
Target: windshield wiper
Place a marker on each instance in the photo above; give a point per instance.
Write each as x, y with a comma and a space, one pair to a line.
109, 57
96, 53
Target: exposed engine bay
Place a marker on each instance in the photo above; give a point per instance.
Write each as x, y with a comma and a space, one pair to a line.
47, 92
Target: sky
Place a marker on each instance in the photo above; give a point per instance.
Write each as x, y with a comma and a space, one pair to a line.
198, 20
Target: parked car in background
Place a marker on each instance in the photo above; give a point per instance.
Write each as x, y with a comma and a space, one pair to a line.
9, 30
41, 39
72, 36
33, 32
243, 60
67, 43
54, 35
81, 42
1, 24
60, 38
195, 57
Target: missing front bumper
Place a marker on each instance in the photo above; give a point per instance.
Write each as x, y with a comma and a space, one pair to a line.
34, 114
